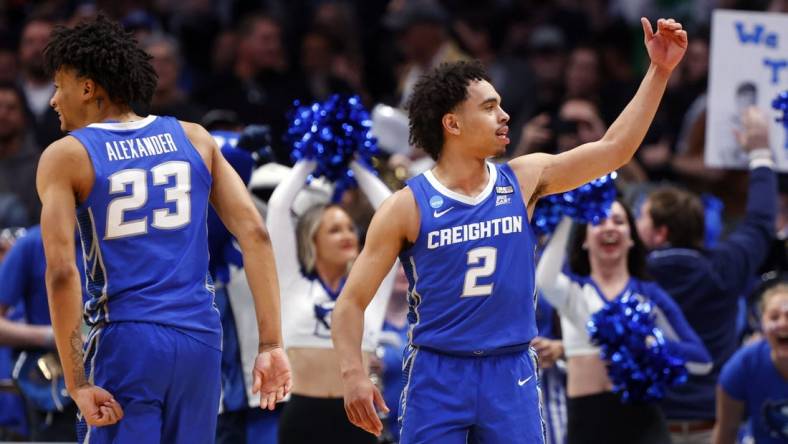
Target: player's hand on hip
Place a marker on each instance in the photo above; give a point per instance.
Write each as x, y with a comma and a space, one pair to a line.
361, 398
667, 46
271, 377
97, 405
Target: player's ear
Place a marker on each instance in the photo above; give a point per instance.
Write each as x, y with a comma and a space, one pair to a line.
88, 87
451, 123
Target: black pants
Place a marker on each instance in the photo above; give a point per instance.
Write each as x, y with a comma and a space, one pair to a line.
604, 419
319, 420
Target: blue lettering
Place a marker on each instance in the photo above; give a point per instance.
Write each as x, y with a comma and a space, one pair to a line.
776, 66
757, 36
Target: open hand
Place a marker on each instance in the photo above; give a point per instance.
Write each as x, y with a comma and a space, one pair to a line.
667, 46
271, 377
97, 406
361, 397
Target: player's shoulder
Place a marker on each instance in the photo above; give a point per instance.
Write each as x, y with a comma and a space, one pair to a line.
402, 200
195, 131
528, 170
400, 210
66, 151
201, 139
529, 165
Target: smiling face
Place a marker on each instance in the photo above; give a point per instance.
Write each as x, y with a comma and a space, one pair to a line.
774, 321
71, 95
336, 240
480, 121
611, 239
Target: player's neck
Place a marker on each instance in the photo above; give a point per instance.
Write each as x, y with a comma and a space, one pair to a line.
464, 175
104, 111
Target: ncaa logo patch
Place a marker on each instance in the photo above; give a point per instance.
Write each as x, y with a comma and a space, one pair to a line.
502, 200
436, 201
504, 190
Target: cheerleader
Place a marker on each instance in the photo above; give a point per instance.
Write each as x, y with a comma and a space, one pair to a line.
606, 263
313, 258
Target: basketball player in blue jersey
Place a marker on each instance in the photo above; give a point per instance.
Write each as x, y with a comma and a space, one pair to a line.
461, 230
139, 189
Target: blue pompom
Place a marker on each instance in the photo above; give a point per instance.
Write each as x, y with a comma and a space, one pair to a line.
589, 203
638, 362
780, 103
332, 133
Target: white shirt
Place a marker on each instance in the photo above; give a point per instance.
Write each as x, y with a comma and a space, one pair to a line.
301, 295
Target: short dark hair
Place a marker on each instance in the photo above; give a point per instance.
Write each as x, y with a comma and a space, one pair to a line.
437, 93
103, 51
580, 264
681, 212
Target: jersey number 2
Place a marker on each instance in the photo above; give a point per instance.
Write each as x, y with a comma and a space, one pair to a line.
471, 287
138, 180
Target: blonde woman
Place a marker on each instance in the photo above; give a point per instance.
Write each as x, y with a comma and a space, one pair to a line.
313, 257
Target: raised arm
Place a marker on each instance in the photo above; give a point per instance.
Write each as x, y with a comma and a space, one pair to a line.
386, 236
375, 190
58, 185
280, 221
570, 169
681, 339
235, 208
556, 286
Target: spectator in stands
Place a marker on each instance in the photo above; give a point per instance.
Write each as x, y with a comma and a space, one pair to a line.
319, 51
34, 81
583, 73
259, 87
19, 151
754, 382
169, 99
423, 37
708, 283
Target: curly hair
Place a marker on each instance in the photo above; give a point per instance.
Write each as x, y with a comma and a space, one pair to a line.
103, 51
437, 93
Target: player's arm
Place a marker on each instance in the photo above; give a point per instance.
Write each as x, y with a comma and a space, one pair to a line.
235, 208
385, 238
570, 169
57, 185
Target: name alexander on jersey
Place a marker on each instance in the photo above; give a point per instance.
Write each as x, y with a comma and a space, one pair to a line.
140, 147
474, 231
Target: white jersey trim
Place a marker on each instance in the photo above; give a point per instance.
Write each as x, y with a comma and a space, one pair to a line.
125, 126
461, 197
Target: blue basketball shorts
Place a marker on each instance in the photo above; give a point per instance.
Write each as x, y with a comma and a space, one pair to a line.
167, 383
452, 399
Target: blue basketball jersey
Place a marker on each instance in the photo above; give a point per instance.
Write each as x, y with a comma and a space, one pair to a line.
471, 269
143, 228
